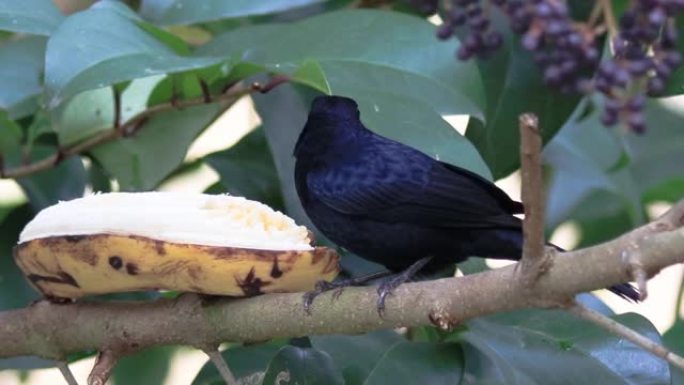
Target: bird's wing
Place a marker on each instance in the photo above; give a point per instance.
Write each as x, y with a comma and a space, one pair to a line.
393, 185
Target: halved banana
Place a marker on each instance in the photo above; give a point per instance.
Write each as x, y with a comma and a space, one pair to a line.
211, 244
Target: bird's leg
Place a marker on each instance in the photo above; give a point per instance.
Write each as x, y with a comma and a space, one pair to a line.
338, 286
389, 285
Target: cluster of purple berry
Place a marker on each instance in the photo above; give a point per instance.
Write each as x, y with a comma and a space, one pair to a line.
645, 53
481, 39
564, 50
561, 48
645, 49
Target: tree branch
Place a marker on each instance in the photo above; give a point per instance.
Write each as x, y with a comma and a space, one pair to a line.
534, 259
118, 130
53, 331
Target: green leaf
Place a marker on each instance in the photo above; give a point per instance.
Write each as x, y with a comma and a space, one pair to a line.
10, 136
39, 17
311, 74
304, 366
674, 337
142, 161
15, 291
419, 363
579, 170
247, 169
65, 181
657, 155
351, 49
356, 356
84, 54
608, 174
244, 362
554, 347
187, 11
513, 85
150, 366
20, 75
84, 115
136, 97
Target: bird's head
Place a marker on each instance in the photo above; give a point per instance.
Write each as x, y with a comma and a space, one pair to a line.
334, 107
332, 121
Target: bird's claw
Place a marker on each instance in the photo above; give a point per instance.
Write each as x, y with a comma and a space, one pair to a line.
320, 288
387, 288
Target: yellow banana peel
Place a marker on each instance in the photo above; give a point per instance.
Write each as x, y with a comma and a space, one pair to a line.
210, 244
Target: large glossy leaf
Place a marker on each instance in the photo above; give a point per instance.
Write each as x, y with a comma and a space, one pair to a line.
247, 169
107, 44
245, 362
39, 17
189, 11
553, 347
92, 112
20, 75
357, 356
84, 115
10, 137
149, 366
513, 85
579, 170
65, 181
656, 156
304, 366
15, 291
142, 161
419, 363
347, 52
628, 170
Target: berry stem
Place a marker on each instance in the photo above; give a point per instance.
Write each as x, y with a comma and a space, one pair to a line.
595, 14
609, 17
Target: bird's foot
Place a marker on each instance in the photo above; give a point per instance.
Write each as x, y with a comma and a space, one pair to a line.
387, 287
325, 286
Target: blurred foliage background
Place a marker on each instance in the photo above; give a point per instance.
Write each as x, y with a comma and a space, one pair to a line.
70, 69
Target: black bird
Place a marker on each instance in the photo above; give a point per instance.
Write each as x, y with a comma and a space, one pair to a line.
394, 205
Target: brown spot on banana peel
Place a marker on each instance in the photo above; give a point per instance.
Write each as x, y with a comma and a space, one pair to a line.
159, 247
132, 268
251, 285
331, 257
74, 238
275, 270
61, 277
115, 262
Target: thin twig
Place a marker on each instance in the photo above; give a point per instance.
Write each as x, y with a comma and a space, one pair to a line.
221, 365
609, 17
627, 333
66, 373
104, 364
595, 13
232, 95
532, 193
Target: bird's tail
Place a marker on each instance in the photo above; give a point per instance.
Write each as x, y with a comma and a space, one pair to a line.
624, 290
